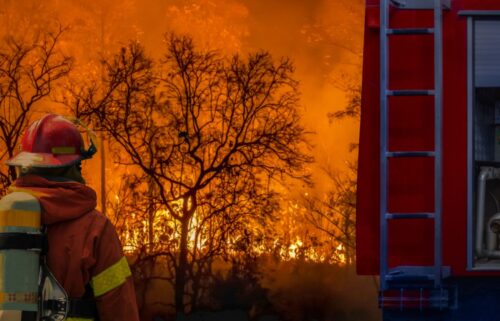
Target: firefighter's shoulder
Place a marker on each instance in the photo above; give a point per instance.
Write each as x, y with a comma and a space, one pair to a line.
98, 218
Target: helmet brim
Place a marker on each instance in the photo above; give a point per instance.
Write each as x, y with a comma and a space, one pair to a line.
27, 159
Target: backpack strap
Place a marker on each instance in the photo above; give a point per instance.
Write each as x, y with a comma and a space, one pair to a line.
76, 308
73, 308
23, 241
84, 307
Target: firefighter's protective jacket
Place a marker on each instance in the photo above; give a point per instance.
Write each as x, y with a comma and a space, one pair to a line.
83, 246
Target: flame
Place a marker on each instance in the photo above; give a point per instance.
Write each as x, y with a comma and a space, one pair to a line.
341, 254
166, 233
294, 248
297, 250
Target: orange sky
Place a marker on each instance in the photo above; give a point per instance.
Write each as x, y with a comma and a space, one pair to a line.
323, 37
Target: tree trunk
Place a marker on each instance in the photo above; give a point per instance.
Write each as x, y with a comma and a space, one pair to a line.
12, 173
180, 273
151, 217
196, 288
103, 176
150, 229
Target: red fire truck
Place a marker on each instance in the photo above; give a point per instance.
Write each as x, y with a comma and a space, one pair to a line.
428, 203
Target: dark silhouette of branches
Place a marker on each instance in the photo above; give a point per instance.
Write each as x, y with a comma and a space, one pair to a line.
353, 107
334, 214
352, 110
207, 134
28, 72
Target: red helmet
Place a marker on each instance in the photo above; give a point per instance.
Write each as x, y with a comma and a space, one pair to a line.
52, 141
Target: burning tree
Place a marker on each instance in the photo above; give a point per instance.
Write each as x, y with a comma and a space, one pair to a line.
207, 135
334, 214
28, 71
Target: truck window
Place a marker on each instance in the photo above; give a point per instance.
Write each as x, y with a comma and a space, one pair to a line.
484, 174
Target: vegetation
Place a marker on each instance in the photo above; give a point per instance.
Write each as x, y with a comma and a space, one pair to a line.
28, 72
207, 137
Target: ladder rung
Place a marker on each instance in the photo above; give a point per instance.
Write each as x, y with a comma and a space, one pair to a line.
415, 298
411, 273
405, 277
418, 92
392, 216
411, 31
411, 154
419, 4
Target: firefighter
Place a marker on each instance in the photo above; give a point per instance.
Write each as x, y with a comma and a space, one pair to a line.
84, 253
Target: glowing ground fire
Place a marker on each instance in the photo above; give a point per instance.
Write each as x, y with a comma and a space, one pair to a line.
166, 235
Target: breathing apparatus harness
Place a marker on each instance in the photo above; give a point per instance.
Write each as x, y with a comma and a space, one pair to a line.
49, 309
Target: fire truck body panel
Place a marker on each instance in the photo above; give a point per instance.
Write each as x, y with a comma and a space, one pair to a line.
410, 128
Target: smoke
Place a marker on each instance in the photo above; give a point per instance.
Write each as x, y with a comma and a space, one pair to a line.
323, 37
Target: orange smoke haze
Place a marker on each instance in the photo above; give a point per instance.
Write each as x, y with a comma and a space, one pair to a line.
323, 37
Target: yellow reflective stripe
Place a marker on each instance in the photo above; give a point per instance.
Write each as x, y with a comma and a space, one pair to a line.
111, 278
13, 217
63, 150
78, 319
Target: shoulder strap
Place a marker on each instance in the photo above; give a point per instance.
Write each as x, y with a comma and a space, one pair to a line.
75, 308
78, 308
23, 241
84, 307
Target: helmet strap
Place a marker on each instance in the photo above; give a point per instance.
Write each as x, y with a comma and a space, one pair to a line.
87, 154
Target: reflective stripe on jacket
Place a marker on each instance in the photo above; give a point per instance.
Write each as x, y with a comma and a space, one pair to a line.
111, 278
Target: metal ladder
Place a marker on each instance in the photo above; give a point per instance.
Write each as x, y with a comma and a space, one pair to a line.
409, 275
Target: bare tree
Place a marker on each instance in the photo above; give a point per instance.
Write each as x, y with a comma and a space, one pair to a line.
334, 214
208, 133
28, 72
